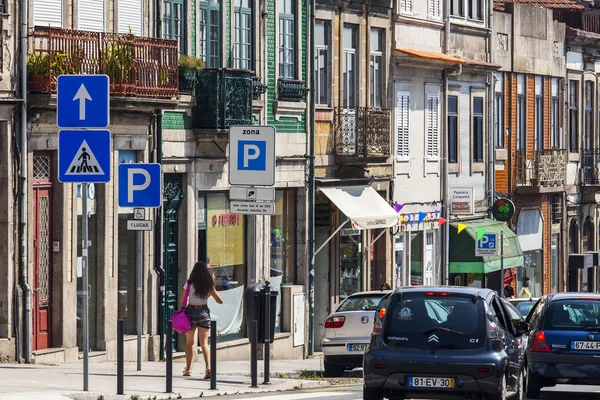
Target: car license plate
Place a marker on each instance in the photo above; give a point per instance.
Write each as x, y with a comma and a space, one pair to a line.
357, 347
431, 382
585, 345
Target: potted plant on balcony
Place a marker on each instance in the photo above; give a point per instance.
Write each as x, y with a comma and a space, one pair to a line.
38, 71
188, 71
118, 64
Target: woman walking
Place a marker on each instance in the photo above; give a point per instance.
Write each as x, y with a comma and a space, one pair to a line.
201, 287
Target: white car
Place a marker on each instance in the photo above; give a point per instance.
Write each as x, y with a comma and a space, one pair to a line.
348, 331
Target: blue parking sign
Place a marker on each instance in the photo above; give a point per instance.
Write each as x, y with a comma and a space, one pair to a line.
140, 185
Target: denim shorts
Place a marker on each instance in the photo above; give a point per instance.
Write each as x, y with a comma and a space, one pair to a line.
199, 316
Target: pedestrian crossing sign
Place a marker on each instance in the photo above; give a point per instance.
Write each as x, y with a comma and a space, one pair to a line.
84, 156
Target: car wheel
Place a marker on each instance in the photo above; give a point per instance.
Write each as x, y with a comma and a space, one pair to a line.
502, 394
533, 385
372, 394
333, 371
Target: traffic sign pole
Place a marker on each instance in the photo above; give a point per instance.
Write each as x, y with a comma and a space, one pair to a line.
140, 293
84, 265
501, 264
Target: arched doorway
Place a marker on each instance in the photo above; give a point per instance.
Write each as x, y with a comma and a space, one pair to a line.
587, 240
573, 237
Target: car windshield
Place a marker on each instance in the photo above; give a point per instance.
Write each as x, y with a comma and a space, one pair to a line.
573, 314
362, 302
525, 306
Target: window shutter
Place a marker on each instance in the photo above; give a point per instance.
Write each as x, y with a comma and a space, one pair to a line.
433, 128
406, 6
47, 13
402, 124
130, 16
434, 9
91, 15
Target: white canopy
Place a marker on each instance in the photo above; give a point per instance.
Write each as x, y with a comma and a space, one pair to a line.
363, 205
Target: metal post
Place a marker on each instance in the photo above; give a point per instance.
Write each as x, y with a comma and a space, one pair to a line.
267, 334
213, 355
254, 354
252, 255
169, 350
502, 264
120, 356
140, 282
85, 288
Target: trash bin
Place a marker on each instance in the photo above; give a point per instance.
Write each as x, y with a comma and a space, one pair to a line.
254, 306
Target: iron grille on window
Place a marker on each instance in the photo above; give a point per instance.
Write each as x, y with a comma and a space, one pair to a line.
41, 168
556, 209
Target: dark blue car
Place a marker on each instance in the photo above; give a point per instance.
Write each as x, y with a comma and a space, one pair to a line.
564, 342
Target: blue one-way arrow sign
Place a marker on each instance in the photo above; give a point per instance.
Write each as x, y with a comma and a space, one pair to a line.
82, 101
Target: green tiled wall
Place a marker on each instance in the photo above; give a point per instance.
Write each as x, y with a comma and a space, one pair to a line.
176, 120
284, 125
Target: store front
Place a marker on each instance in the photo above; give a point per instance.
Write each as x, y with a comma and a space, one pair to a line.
530, 230
467, 269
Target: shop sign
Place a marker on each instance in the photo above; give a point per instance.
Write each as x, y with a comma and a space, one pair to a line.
350, 232
503, 209
461, 201
225, 233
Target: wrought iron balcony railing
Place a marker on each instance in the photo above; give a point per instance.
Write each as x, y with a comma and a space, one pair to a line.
362, 132
223, 98
136, 66
543, 168
591, 167
258, 88
291, 90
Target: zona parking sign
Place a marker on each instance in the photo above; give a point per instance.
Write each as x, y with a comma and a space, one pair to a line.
252, 155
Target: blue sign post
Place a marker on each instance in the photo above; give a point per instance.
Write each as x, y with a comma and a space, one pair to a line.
84, 157
487, 245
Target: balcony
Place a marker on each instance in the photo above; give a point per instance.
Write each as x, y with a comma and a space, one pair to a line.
223, 98
541, 172
137, 66
591, 167
362, 132
291, 90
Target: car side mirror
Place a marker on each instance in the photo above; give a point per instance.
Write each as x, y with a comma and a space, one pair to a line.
522, 328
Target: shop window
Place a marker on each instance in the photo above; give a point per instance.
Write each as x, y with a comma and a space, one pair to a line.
416, 258
350, 261
554, 262
399, 260
221, 244
530, 277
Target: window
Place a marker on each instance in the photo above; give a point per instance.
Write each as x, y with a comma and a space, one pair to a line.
476, 9
573, 122
243, 34
521, 114
499, 114
377, 68
433, 131
434, 9
349, 61
457, 8
452, 129
173, 20
589, 115
287, 39
210, 33
322, 72
402, 124
406, 6
539, 113
477, 129
555, 117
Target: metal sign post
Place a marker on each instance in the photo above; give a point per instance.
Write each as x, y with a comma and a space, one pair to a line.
501, 264
83, 102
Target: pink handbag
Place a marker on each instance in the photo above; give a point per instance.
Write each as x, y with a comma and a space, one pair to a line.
179, 320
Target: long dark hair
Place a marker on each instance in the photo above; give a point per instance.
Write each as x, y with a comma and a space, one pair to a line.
202, 280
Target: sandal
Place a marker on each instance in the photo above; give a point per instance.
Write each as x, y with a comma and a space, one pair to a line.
207, 374
187, 372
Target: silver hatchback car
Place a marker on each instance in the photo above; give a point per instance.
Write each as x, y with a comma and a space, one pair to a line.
348, 331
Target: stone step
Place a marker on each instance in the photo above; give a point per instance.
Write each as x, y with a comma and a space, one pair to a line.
94, 356
48, 356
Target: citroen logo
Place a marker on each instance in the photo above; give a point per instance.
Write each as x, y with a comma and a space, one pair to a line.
364, 320
433, 338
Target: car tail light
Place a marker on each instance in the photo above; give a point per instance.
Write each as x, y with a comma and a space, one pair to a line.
379, 366
483, 369
492, 330
437, 294
335, 322
377, 328
382, 313
589, 298
539, 343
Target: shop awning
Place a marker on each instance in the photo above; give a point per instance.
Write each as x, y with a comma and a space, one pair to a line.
462, 248
363, 205
432, 56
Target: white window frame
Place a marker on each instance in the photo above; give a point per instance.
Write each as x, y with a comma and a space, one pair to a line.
478, 166
499, 112
350, 54
434, 9
402, 116
432, 126
326, 48
465, 7
377, 69
555, 115
538, 141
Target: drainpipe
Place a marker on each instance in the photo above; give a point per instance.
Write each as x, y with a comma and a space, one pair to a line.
445, 180
311, 181
491, 98
158, 254
23, 212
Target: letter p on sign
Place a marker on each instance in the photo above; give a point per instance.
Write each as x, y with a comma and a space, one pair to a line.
140, 185
252, 155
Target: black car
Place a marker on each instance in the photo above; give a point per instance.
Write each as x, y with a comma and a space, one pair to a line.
444, 342
564, 342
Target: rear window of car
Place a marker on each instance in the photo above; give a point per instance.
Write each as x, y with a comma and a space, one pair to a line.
362, 302
572, 314
456, 320
525, 307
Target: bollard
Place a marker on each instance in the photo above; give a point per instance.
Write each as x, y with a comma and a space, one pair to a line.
267, 335
253, 354
213, 355
120, 356
169, 350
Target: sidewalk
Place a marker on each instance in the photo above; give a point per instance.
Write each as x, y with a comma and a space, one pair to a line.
65, 381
